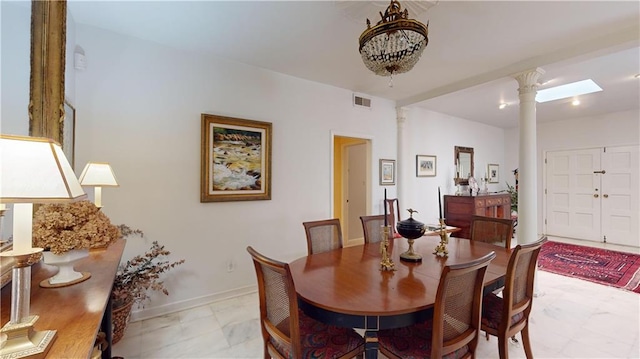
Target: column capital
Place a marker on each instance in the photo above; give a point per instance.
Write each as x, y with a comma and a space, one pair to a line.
401, 114
528, 80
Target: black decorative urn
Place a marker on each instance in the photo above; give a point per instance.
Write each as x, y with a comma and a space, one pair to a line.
410, 228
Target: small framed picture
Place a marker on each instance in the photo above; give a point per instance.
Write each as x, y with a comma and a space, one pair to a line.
493, 172
425, 166
387, 172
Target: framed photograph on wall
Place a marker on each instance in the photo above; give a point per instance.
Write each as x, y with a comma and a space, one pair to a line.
425, 166
68, 130
387, 172
494, 173
235, 159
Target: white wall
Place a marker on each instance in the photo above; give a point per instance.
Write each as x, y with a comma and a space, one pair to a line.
15, 67
433, 133
139, 107
613, 129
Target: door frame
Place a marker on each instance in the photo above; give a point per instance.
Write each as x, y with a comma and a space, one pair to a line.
368, 168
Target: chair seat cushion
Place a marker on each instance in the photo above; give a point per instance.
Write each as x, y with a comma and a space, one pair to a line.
413, 342
492, 312
321, 341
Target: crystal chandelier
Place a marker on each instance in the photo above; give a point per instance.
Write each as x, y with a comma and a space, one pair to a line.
395, 43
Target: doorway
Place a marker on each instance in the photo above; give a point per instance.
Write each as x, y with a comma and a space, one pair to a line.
593, 194
351, 185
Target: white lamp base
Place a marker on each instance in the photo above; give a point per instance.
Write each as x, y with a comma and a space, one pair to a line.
22, 341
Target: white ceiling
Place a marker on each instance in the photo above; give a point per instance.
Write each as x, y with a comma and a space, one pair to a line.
474, 47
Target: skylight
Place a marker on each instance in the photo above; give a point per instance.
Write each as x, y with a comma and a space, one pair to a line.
568, 90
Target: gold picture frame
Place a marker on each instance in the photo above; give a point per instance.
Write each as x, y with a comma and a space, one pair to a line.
387, 172
426, 166
493, 171
235, 159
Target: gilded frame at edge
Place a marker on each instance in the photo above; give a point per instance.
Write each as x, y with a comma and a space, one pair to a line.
225, 140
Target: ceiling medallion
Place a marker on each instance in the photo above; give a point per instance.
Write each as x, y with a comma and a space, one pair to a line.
395, 43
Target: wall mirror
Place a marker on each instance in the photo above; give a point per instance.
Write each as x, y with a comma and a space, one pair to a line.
464, 164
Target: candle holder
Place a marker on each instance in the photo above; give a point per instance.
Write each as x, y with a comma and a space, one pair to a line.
441, 248
386, 264
485, 187
458, 186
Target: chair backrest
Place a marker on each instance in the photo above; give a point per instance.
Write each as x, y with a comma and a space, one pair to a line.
518, 289
323, 235
456, 317
492, 230
372, 228
394, 212
278, 305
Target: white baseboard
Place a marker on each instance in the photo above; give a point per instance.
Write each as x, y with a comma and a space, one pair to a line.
143, 314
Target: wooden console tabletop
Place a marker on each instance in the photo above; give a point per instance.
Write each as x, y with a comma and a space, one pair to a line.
76, 311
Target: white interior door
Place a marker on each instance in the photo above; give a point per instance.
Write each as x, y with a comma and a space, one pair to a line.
573, 194
355, 190
620, 193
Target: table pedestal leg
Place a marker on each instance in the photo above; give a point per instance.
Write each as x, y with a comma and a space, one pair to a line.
371, 344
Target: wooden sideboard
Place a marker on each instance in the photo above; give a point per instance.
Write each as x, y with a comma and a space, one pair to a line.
78, 311
458, 210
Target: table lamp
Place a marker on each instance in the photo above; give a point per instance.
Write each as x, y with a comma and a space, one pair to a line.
32, 170
98, 175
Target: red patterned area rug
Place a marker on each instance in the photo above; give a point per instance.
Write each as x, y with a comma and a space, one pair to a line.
612, 268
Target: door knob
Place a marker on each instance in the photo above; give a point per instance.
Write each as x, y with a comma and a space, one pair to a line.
605, 195
596, 195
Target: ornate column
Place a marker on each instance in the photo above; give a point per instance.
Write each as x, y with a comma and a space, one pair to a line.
401, 118
527, 181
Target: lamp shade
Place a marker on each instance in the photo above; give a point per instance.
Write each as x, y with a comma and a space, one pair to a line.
98, 174
35, 170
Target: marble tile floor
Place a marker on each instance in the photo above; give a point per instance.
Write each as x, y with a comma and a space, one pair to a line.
571, 318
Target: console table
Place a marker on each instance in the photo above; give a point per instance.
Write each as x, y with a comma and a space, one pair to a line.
458, 210
78, 311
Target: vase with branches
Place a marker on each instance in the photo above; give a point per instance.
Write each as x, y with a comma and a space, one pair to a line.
135, 279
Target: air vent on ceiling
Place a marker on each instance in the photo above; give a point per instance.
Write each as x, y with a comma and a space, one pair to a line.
361, 101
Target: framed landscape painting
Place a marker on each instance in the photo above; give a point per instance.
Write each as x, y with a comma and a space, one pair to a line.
387, 172
235, 159
425, 166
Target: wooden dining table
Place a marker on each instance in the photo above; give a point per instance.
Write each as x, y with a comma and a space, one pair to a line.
345, 287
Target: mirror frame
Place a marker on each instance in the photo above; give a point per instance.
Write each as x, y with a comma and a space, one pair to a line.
46, 85
457, 151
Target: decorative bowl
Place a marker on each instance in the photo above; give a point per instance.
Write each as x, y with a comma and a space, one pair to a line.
411, 228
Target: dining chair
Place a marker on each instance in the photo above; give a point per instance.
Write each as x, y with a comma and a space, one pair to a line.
516, 300
323, 235
394, 214
372, 228
453, 330
492, 230
286, 330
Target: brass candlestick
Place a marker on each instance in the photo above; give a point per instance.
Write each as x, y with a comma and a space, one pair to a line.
386, 264
441, 248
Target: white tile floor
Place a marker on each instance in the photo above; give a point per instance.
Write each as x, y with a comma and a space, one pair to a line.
571, 318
